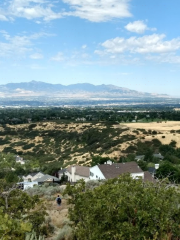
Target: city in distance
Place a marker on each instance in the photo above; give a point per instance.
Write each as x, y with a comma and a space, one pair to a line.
37, 93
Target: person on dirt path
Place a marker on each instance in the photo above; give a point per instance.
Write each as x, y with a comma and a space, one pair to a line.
58, 200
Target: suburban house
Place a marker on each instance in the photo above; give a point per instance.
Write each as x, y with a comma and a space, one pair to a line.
32, 176
111, 170
149, 177
107, 170
20, 160
158, 155
62, 172
47, 179
139, 158
155, 155
26, 185
152, 170
44, 179
75, 173
33, 179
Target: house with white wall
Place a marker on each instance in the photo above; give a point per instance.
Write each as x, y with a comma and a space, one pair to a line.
107, 170
32, 176
20, 160
112, 170
61, 172
26, 185
75, 173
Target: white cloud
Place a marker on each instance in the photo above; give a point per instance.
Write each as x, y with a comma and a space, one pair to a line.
36, 56
154, 43
92, 10
58, 58
165, 58
19, 45
138, 27
3, 17
30, 9
84, 46
99, 10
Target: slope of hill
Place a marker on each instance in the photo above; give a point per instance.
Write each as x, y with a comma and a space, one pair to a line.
62, 144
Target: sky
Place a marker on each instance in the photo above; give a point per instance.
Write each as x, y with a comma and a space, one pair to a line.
127, 43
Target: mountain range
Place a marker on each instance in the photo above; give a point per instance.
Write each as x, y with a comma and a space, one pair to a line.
79, 90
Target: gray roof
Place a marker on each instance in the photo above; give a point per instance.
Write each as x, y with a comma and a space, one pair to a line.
80, 170
148, 177
34, 173
151, 170
116, 169
62, 170
140, 157
46, 178
158, 155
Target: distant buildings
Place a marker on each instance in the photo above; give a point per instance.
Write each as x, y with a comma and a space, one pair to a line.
20, 160
155, 155
36, 178
80, 119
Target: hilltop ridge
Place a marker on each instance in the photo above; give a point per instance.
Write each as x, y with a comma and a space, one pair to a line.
78, 90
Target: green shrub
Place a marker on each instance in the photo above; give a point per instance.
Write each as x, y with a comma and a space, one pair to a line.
65, 233
28, 146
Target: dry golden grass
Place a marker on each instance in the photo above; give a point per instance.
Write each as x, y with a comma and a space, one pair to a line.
163, 129
163, 126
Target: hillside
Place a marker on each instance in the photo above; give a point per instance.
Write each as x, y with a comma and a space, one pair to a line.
58, 144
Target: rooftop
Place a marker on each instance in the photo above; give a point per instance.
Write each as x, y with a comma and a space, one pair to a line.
47, 178
80, 170
116, 169
148, 177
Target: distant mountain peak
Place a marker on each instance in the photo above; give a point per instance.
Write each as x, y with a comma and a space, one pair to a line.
85, 90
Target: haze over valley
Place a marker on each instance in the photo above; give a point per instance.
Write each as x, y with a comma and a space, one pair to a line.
36, 93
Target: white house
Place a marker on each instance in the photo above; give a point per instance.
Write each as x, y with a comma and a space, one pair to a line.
20, 160
75, 173
32, 176
112, 170
62, 172
26, 185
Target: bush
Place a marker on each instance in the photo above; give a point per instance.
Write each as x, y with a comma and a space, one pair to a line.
43, 191
124, 208
28, 146
93, 183
65, 233
31, 126
156, 142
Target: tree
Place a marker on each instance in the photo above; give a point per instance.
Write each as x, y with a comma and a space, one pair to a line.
148, 155
19, 213
11, 177
143, 165
123, 208
99, 160
167, 170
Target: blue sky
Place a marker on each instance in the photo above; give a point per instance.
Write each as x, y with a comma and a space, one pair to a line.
128, 43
